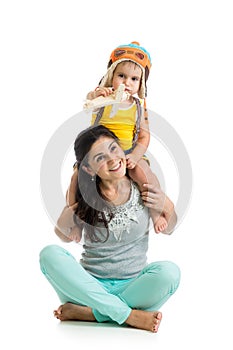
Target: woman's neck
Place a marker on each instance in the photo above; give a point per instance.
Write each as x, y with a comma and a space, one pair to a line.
116, 192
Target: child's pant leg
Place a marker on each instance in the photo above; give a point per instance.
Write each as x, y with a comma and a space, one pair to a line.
153, 286
73, 284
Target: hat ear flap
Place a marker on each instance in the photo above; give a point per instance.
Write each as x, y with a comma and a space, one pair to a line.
146, 73
109, 64
101, 80
146, 77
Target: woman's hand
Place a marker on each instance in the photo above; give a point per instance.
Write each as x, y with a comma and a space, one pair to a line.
74, 206
153, 197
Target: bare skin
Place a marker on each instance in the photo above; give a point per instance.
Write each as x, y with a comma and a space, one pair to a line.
159, 221
147, 320
69, 312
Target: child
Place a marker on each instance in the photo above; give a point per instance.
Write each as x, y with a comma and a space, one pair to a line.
129, 65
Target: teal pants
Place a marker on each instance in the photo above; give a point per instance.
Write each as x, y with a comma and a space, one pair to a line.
110, 299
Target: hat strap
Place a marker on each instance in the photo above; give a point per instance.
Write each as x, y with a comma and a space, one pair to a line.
138, 121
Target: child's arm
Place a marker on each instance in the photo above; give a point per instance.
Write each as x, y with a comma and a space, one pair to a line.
141, 145
104, 96
98, 98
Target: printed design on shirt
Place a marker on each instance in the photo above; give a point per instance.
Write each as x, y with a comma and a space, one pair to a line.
125, 214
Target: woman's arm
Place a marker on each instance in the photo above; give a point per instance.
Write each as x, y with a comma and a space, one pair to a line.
156, 199
63, 237
66, 229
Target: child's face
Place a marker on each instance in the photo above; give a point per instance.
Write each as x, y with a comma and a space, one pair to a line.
128, 73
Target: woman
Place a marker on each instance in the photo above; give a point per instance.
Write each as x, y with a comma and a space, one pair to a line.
112, 281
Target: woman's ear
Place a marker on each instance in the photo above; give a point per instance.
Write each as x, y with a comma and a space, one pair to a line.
88, 170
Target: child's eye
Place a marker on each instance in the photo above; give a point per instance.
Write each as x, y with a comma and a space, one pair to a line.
121, 75
135, 79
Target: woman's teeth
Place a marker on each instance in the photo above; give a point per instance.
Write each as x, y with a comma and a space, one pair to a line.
116, 167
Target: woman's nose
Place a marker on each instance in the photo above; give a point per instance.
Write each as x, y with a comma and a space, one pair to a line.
110, 157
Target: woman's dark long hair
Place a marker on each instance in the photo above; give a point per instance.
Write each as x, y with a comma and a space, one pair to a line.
88, 194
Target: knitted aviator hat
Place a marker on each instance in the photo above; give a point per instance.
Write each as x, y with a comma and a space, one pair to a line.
131, 52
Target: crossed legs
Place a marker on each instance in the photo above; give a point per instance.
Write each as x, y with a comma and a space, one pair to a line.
86, 298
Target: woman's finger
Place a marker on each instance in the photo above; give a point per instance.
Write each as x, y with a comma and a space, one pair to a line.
151, 188
149, 205
148, 199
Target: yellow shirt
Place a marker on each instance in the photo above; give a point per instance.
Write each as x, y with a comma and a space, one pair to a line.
123, 123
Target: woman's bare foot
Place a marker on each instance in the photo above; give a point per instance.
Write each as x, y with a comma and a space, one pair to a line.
71, 311
148, 320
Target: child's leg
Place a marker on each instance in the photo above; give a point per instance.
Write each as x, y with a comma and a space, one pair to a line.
142, 174
70, 194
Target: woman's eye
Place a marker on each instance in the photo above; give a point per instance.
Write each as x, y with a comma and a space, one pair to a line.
113, 148
99, 158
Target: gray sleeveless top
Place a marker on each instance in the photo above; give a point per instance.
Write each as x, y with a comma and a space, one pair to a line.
123, 255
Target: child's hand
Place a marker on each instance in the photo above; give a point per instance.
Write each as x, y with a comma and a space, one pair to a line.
131, 160
100, 91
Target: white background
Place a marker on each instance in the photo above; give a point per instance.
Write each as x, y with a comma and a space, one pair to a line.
52, 54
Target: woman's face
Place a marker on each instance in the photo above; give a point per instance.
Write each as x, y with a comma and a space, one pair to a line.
107, 159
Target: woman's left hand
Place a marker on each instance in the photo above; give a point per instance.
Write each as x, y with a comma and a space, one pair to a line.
156, 199
153, 197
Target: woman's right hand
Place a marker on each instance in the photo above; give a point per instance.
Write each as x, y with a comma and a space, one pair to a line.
74, 206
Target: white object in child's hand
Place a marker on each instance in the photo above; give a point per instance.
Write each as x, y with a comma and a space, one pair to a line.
116, 97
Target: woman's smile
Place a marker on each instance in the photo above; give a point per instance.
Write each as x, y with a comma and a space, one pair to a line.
116, 167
